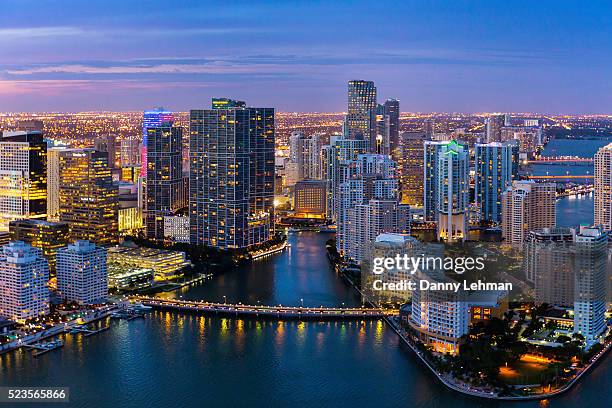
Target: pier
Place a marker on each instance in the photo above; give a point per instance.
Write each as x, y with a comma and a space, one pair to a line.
44, 347
276, 312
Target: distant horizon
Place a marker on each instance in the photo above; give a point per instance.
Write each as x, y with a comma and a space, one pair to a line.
466, 56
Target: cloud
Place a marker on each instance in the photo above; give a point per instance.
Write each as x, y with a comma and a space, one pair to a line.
22, 33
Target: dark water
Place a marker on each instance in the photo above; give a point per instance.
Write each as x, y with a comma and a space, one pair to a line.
574, 211
171, 360
569, 147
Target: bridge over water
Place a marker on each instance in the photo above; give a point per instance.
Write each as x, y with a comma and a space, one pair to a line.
275, 312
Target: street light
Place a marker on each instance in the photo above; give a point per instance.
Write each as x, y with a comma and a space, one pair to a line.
302, 301
224, 299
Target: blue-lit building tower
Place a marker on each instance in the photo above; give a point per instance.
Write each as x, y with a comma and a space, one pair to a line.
495, 165
152, 119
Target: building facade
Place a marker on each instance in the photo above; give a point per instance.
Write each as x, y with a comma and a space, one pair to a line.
23, 177
45, 235
232, 176
82, 274
88, 196
24, 274
603, 187
361, 117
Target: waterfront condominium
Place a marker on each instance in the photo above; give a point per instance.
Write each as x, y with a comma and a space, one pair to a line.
82, 273
439, 317
361, 117
23, 177
24, 273
603, 187
88, 196
446, 188
231, 181
164, 177
496, 165
527, 206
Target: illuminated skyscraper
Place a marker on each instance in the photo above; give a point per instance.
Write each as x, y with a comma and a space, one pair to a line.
496, 165
44, 235
603, 187
164, 177
494, 125
24, 274
388, 128
151, 119
361, 118
446, 188
411, 168
232, 175
88, 197
453, 188
527, 206
23, 177
108, 144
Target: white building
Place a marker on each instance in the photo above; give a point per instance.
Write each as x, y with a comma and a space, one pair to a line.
603, 187
82, 273
24, 274
590, 263
176, 228
527, 206
305, 152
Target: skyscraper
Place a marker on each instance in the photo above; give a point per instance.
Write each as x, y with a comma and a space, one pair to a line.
53, 173
232, 175
23, 177
305, 152
24, 274
453, 187
164, 177
361, 118
496, 165
88, 197
82, 275
392, 111
411, 168
151, 119
446, 188
603, 187
527, 206
108, 144
44, 235
494, 125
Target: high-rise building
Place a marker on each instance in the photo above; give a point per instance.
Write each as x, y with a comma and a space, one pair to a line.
129, 154
23, 177
391, 111
603, 187
494, 125
453, 187
82, 275
310, 199
88, 197
108, 144
152, 119
232, 176
305, 152
411, 168
164, 177
44, 235
24, 274
496, 165
53, 163
361, 118
590, 266
527, 206
439, 317
367, 221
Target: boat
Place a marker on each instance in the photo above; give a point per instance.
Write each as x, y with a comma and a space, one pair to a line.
139, 307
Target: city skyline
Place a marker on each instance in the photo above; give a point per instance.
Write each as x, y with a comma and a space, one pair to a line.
297, 57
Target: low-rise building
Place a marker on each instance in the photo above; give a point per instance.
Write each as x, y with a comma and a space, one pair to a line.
165, 263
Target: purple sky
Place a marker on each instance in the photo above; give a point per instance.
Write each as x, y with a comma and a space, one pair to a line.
463, 56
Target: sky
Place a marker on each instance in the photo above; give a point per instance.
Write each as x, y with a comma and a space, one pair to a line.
434, 56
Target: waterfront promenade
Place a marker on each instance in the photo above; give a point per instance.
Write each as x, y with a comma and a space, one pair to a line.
277, 312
